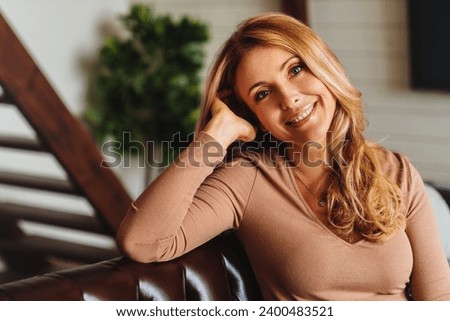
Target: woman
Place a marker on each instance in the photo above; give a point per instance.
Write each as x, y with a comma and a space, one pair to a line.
323, 215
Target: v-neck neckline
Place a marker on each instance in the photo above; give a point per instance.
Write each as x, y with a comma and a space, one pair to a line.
313, 215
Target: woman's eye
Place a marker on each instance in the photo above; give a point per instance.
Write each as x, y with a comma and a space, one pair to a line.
261, 95
296, 70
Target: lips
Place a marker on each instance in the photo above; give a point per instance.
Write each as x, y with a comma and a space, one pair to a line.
299, 117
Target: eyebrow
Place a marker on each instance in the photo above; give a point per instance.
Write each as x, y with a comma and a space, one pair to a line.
259, 83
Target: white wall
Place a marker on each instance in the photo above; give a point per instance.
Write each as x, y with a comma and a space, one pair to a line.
371, 39
59, 35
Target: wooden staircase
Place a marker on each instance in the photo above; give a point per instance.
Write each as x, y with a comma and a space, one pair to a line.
59, 134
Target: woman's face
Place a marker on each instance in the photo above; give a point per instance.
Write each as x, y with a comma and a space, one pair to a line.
289, 101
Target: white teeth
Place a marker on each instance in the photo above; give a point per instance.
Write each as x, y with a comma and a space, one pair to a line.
302, 116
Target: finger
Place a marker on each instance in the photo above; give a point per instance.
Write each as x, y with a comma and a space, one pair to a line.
217, 106
249, 135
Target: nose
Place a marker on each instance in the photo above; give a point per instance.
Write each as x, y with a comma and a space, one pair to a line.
289, 97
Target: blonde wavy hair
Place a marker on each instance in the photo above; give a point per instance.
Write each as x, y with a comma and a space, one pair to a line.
360, 196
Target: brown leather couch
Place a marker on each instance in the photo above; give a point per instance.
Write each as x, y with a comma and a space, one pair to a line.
218, 270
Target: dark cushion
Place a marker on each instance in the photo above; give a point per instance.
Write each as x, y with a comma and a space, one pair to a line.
218, 270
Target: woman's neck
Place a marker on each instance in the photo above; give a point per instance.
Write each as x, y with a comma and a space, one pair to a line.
309, 159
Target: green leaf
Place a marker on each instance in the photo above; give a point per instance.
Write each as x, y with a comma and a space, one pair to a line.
149, 83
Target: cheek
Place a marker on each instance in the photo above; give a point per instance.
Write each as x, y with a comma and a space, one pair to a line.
310, 85
265, 116
261, 119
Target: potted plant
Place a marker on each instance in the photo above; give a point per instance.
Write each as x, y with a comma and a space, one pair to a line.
144, 91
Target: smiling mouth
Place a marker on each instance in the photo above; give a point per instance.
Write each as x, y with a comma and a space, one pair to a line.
302, 116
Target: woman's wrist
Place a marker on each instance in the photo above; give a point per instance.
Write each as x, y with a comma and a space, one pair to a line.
222, 131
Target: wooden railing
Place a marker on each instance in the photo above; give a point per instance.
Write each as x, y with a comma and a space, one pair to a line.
60, 134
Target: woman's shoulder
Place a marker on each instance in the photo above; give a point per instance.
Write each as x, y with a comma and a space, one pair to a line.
398, 167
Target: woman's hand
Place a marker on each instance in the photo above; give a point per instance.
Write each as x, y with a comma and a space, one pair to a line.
226, 127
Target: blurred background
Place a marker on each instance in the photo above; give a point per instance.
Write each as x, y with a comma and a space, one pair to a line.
370, 37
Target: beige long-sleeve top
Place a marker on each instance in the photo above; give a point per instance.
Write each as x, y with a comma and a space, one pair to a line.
294, 256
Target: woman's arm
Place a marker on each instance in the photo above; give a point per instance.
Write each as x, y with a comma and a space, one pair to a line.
430, 279
186, 205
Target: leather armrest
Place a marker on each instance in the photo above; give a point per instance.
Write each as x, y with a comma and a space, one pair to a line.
218, 270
